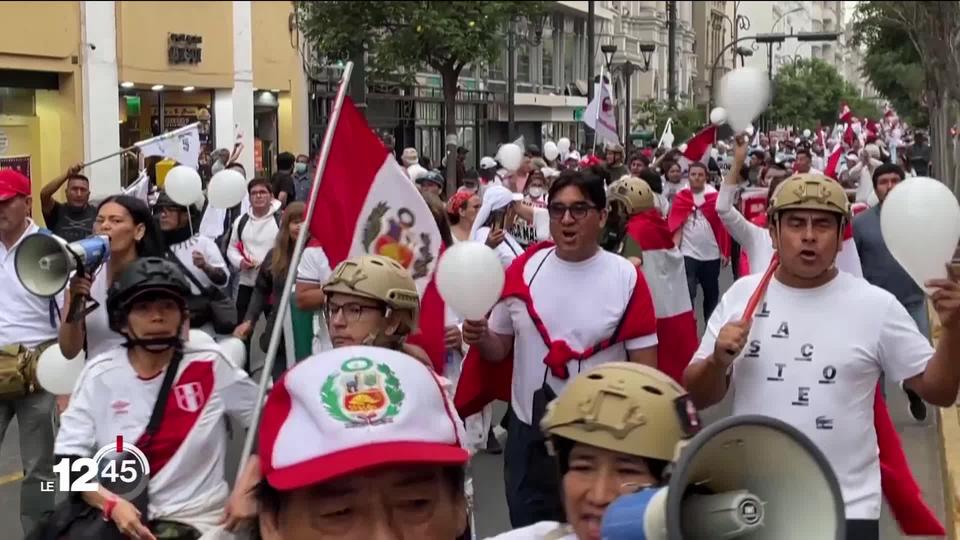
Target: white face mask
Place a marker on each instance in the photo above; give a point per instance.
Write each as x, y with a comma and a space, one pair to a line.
535, 192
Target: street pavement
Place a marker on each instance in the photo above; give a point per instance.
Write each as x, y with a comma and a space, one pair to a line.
921, 442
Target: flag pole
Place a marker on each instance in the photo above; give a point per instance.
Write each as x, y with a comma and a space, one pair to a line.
160, 137
284, 303
596, 121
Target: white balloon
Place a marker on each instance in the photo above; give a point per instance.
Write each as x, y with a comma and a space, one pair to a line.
744, 93
718, 116
226, 189
921, 208
551, 151
199, 337
470, 279
182, 184
234, 350
750, 130
55, 373
806, 133
563, 145
510, 156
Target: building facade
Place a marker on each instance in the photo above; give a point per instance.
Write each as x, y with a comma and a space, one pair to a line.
113, 73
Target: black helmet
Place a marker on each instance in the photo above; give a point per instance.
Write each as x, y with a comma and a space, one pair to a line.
148, 274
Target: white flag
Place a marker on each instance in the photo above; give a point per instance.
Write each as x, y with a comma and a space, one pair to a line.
600, 115
140, 188
666, 139
182, 145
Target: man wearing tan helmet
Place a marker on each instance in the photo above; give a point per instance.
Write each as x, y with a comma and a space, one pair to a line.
813, 354
600, 453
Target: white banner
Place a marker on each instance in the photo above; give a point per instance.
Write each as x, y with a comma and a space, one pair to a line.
600, 115
182, 145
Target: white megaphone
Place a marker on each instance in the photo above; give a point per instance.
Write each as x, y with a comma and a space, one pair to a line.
742, 477
45, 262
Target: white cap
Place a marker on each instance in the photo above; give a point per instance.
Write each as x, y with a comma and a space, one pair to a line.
487, 162
352, 409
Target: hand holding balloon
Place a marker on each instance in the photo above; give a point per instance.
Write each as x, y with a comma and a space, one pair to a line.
470, 279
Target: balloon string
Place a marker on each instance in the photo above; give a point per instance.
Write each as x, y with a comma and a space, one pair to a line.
761, 288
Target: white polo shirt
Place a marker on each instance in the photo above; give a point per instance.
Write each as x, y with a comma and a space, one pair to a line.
24, 317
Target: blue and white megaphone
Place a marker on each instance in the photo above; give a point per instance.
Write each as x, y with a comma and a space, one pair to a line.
45, 262
741, 477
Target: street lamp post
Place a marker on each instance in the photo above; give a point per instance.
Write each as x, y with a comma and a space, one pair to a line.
533, 37
628, 68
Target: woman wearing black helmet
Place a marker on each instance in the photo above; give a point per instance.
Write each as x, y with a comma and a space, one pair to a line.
164, 396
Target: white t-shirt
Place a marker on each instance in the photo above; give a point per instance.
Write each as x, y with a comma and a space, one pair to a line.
507, 250
184, 252
698, 241
100, 338
603, 284
539, 531
671, 189
314, 266
813, 359
25, 318
110, 399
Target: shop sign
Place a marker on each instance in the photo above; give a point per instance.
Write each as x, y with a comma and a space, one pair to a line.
184, 49
257, 155
20, 164
578, 114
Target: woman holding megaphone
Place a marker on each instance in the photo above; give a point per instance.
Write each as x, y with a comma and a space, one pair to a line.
129, 224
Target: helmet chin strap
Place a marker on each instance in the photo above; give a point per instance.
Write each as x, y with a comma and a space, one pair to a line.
154, 345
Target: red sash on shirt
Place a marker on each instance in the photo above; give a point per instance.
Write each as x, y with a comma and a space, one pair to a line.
188, 397
482, 382
683, 206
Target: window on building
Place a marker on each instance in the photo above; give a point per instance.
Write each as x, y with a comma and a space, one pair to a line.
570, 50
523, 65
17, 101
498, 71
547, 48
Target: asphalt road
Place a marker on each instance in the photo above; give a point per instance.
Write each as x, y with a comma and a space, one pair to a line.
921, 442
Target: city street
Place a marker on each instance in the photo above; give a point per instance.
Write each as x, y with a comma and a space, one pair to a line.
920, 442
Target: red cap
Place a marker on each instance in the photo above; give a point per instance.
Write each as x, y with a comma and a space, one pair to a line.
12, 183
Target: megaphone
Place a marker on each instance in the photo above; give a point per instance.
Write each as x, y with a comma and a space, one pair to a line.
750, 477
45, 262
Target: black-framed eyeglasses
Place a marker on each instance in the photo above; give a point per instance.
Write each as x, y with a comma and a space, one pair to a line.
352, 311
578, 211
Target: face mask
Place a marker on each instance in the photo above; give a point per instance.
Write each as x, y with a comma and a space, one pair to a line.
535, 192
300, 168
216, 167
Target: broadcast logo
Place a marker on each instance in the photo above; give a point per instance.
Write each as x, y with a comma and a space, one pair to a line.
121, 468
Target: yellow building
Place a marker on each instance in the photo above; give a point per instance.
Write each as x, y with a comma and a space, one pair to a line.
103, 75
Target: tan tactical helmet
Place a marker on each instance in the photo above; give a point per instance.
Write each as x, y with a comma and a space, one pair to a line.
378, 278
810, 192
623, 407
634, 193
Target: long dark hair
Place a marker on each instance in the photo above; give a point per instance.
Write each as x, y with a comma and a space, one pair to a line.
151, 245
439, 212
283, 247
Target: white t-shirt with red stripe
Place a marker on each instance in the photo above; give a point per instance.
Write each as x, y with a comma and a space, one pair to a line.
110, 399
581, 303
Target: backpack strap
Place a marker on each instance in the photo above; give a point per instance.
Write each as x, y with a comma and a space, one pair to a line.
246, 218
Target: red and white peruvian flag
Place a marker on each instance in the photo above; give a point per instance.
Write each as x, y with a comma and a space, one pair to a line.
666, 277
833, 162
845, 113
367, 205
697, 148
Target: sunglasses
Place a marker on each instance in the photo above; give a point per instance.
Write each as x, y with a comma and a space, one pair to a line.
577, 211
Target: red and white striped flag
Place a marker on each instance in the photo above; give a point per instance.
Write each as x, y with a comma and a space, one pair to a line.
667, 279
845, 113
367, 205
833, 162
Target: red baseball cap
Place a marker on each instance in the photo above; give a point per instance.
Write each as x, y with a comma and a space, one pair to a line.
355, 408
12, 183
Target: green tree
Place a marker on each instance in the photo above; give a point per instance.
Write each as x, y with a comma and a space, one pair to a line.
808, 92
652, 115
400, 38
892, 65
932, 30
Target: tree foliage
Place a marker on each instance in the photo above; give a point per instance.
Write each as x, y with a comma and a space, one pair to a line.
400, 38
808, 92
652, 115
932, 31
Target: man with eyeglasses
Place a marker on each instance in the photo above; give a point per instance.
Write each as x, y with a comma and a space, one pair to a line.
566, 307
